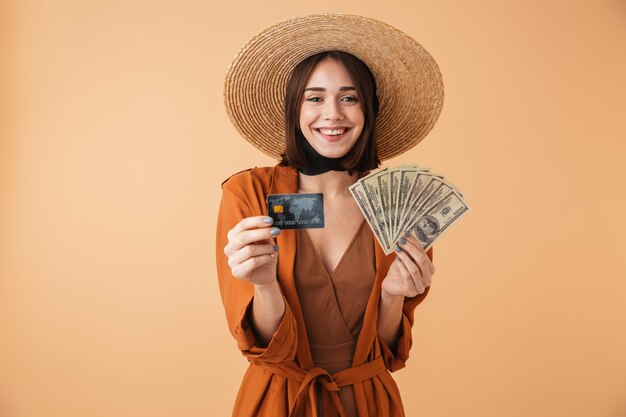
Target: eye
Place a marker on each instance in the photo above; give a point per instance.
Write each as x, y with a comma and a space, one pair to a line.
314, 99
350, 99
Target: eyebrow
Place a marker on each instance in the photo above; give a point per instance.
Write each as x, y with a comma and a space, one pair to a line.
344, 88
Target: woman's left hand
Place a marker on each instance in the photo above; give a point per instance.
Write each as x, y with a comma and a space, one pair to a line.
411, 272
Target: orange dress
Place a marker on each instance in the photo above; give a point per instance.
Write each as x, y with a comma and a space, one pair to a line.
282, 379
333, 304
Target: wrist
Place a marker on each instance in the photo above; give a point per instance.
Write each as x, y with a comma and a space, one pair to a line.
390, 299
267, 288
271, 296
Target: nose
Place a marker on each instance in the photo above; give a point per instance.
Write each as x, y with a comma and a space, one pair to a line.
333, 110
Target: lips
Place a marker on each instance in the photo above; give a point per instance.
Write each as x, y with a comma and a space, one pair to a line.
332, 134
333, 137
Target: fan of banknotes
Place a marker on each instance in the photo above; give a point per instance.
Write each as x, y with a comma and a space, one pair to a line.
408, 198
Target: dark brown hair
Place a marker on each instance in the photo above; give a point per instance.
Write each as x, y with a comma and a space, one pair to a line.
363, 156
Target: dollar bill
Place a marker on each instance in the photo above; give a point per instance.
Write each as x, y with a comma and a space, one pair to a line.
407, 176
422, 186
437, 218
394, 184
395, 210
375, 206
377, 190
394, 200
358, 192
440, 189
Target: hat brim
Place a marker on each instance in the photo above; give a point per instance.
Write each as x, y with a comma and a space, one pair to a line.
409, 85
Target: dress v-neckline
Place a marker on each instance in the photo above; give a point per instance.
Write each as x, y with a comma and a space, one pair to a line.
343, 257
284, 180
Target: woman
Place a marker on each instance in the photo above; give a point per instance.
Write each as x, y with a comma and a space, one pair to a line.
322, 314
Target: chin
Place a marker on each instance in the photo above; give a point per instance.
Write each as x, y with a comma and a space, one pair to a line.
333, 153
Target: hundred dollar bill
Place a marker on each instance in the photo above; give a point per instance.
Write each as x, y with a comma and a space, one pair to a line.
407, 176
394, 200
371, 197
418, 191
441, 188
394, 186
438, 217
359, 195
377, 188
423, 186
394, 183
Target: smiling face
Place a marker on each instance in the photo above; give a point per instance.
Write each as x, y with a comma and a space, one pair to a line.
331, 117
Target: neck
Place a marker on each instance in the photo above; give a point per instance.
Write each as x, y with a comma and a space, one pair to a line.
331, 183
319, 164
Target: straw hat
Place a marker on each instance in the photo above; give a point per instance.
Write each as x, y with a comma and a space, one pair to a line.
408, 81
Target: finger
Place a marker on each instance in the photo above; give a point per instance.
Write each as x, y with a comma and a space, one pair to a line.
415, 250
415, 274
246, 237
252, 222
420, 246
411, 249
249, 251
409, 284
413, 282
411, 238
244, 270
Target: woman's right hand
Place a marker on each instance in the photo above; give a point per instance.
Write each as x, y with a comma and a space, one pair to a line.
251, 250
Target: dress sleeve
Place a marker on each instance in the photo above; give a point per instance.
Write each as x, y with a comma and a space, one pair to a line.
237, 295
395, 359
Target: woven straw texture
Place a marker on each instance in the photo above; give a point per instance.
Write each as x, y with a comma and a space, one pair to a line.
408, 81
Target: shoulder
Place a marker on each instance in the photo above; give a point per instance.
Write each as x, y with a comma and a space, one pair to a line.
250, 184
248, 177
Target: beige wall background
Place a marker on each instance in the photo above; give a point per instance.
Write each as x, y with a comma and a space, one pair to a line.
114, 142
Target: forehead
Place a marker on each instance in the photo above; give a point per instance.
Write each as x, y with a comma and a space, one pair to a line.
329, 72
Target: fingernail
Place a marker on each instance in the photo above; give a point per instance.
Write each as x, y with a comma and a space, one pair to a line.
276, 248
407, 234
274, 231
398, 249
402, 241
268, 220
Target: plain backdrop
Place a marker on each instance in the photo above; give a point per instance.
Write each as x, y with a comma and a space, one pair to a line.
114, 142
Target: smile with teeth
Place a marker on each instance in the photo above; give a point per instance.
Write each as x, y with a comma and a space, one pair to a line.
332, 132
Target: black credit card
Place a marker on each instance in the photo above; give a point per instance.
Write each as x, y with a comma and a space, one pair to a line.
296, 211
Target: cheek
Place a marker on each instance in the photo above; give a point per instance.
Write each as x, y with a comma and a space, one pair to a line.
306, 116
360, 127
358, 117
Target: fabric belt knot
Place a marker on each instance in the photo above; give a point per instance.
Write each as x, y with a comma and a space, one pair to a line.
331, 384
